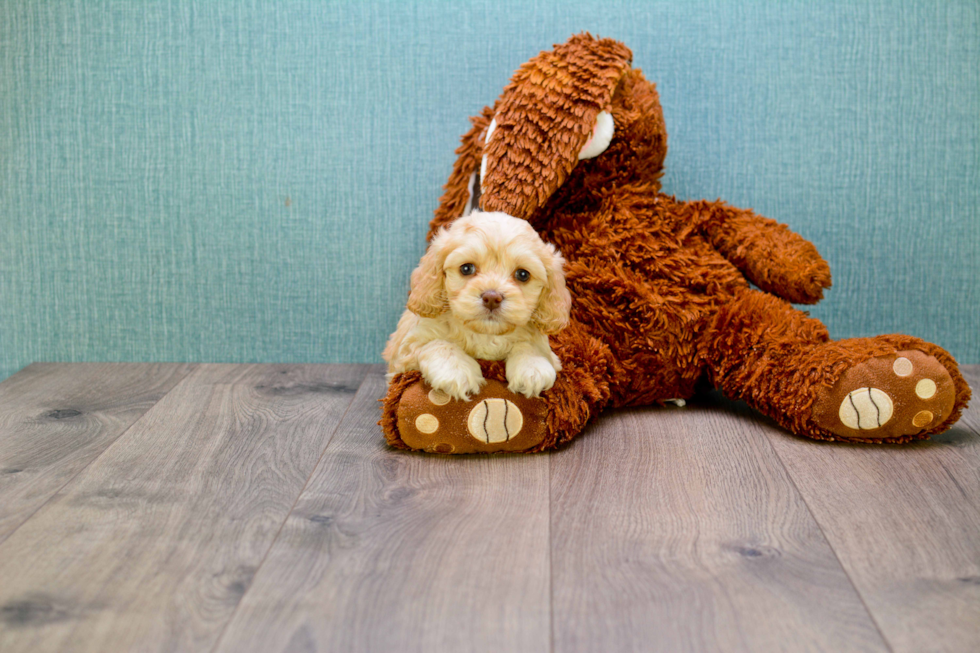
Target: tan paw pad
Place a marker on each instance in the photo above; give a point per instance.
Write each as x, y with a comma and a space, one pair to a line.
495, 420
866, 408
888, 397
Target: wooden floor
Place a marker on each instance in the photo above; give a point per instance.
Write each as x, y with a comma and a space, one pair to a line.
256, 508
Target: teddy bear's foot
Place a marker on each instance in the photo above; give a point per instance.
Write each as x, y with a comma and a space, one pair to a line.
891, 397
494, 420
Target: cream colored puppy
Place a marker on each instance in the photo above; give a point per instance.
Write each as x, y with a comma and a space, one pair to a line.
488, 287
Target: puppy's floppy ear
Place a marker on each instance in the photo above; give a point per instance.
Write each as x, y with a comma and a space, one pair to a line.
427, 297
555, 302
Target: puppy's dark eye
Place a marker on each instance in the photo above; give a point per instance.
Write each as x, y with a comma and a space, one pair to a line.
522, 275
466, 269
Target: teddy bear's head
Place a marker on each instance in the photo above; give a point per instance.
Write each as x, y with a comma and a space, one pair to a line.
572, 120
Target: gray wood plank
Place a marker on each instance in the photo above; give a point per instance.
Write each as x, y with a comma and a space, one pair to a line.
905, 522
55, 418
152, 546
679, 530
394, 551
971, 417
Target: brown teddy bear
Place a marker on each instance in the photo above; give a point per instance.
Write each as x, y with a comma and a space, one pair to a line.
661, 294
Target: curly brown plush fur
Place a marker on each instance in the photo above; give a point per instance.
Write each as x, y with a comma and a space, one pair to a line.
661, 288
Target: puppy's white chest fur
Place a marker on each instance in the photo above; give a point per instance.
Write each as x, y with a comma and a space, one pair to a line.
487, 347
478, 345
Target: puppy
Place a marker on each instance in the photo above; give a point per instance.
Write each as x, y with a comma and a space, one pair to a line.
488, 287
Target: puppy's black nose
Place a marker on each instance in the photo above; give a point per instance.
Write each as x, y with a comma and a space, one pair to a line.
491, 299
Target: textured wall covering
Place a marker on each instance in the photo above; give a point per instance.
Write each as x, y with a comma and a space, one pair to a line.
250, 181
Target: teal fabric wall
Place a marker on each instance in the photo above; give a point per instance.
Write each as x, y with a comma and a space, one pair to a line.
251, 181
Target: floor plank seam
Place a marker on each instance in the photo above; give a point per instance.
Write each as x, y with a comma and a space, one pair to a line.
258, 568
975, 432
830, 544
101, 453
551, 557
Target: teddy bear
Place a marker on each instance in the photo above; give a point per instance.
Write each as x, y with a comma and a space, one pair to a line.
666, 294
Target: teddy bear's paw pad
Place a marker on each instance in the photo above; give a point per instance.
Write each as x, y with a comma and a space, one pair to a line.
865, 409
495, 420
889, 397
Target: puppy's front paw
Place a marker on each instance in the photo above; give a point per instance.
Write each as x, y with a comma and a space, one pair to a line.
460, 378
530, 375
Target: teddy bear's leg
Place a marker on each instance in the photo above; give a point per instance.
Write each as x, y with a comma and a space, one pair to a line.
419, 417
891, 388
496, 420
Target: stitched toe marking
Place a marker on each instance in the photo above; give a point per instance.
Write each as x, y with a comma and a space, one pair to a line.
427, 423
922, 418
925, 389
902, 366
438, 397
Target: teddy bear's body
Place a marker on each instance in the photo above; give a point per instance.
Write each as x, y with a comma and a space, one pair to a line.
647, 285
662, 289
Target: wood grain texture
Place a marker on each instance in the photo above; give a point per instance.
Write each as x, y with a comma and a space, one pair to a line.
152, 546
702, 528
971, 417
679, 530
905, 523
394, 551
55, 419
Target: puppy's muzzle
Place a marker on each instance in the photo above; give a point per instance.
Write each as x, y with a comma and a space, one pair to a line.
491, 299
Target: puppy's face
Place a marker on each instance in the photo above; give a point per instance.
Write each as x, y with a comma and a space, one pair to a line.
494, 276
493, 273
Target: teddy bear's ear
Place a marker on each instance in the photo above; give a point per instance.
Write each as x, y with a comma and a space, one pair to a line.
554, 112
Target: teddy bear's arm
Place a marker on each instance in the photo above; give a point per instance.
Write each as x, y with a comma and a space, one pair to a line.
768, 253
